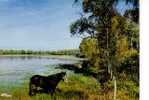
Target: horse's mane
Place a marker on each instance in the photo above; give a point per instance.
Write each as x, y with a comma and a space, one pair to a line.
57, 75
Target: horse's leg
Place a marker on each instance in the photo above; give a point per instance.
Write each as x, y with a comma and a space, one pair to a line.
52, 95
32, 90
52, 92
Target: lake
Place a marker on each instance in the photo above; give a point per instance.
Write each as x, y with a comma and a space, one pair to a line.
15, 70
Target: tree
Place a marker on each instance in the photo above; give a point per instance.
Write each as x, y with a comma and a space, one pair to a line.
100, 21
89, 48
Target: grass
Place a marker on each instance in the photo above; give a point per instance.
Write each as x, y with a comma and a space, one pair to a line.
78, 87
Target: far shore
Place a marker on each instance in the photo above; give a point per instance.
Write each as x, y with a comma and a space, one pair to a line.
63, 57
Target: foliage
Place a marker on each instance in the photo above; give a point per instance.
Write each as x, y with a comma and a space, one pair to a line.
122, 48
102, 21
30, 52
130, 65
130, 86
131, 31
117, 36
132, 14
89, 48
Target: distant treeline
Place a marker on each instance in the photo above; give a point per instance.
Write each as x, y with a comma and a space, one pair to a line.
31, 52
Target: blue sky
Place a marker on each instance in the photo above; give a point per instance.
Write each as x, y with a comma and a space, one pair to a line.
38, 24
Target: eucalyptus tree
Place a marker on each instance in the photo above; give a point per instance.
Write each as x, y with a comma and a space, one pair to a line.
101, 20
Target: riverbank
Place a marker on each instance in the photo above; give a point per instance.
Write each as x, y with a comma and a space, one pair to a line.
78, 87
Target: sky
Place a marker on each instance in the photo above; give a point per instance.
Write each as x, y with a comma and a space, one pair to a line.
38, 24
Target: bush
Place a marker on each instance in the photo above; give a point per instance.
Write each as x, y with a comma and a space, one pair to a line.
89, 49
130, 65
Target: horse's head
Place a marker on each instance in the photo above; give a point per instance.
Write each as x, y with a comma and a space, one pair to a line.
64, 76
63, 73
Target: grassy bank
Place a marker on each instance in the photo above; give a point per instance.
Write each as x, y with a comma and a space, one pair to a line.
78, 87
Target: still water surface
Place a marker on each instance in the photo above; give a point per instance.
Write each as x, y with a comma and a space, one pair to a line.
15, 70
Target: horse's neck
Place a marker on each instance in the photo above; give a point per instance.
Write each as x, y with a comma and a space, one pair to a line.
55, 77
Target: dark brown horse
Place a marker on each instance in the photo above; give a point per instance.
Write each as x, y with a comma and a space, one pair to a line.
45, 84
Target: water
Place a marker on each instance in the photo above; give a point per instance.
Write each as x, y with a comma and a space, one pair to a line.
15, 70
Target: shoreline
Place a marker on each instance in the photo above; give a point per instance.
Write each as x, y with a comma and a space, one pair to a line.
62, 57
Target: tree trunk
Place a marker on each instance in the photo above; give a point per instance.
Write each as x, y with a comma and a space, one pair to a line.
115, 87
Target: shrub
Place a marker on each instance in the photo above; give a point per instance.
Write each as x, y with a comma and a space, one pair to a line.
130, 65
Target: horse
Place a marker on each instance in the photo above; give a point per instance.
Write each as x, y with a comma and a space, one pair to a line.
45, 84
